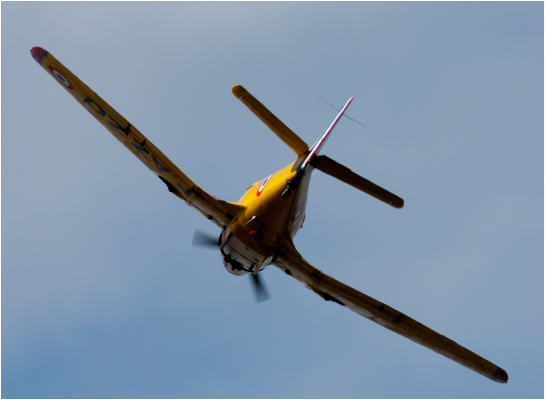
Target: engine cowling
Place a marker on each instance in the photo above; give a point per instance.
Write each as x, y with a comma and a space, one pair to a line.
234, 266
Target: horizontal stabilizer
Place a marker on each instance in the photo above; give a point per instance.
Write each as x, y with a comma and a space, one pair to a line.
289, 137
339, 171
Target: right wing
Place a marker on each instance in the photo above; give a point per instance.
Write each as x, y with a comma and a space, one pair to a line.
291, 262
219, 211
339, 171
282, 131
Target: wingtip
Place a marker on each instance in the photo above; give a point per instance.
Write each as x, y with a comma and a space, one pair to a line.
397, 202
500, 376
238, 91
38, 54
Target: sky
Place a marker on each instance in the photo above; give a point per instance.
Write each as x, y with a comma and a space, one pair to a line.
103, 295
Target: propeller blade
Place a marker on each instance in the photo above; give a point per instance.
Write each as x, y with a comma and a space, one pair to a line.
260, 291
204, 239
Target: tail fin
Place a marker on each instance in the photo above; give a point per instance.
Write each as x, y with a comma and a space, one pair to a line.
314, 150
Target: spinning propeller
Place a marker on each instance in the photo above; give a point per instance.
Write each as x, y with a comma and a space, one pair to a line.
206, 240
260, 292
203, 239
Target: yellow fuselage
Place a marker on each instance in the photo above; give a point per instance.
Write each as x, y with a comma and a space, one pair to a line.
274, 210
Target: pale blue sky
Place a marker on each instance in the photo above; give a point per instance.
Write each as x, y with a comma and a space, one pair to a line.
103, 294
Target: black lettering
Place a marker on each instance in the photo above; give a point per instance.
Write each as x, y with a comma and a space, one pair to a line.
187, 192
95, 107
142, 150
159, 166
114, 124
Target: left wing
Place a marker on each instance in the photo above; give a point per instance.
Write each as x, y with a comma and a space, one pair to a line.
330, 289
219, 211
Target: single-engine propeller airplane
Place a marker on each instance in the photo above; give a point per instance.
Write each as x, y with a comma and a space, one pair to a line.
258, 230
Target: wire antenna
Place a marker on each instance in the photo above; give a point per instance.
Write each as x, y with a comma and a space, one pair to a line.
344, 115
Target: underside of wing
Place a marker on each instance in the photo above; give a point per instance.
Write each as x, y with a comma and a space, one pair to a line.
289, 137
332, 290
342, 173
219, 211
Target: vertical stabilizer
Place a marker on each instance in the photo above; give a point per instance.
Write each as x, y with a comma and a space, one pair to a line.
315, 149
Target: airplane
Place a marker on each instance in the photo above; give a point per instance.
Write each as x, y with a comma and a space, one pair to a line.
258, 230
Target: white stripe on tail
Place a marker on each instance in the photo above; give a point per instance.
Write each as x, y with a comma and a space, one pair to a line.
320, 142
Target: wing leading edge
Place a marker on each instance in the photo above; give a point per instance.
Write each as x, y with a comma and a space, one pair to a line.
293, 264
219, 211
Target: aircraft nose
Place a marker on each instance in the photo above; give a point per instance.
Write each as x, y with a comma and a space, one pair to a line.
38, 54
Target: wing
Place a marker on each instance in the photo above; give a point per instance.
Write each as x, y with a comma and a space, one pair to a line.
339, 171
219, 211
332, 290
282, 131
